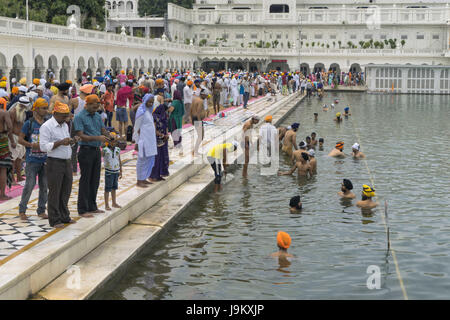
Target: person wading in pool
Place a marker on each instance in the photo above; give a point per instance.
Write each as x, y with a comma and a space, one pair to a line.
217, 156
338, 118
347, 112
289, 140
313, 140
283, 243
312, 160
366, 198
337, 152
356, 153
295, 204
246, 139
346, 187
302, 166
297, 154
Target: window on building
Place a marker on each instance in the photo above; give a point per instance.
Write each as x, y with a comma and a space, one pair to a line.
420, 37
318, 17
353, 36
368, 36
279, 8
304, 37
435, 37
318, 36
254, 36
420, 16
333, 37
239, 36
383, 37
404, 37
240, 18
278, 36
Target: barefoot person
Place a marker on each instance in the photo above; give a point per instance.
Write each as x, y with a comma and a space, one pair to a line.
346, 187
145, 137
283, 242
18, 117
295, 204
356, 153
247, 138
113, 170
5, 155
289, 140
54, 138
197, 114
35, 160
366, 198
303, 168
88, 125
337, 152
217, 156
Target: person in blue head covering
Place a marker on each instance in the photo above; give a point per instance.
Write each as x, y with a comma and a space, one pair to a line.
145, 137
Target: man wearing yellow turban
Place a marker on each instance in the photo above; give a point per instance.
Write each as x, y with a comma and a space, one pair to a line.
23, 81
54, 138
35, 160
283, 243
366, 198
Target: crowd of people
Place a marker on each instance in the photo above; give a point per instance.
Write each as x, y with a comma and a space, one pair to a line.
51, 128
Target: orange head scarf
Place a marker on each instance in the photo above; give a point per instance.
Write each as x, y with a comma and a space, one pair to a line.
283, 240
340, 145
93, 98
60, 107
15, 90
40, 102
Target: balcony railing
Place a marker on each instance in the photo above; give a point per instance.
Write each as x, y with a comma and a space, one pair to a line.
18, 27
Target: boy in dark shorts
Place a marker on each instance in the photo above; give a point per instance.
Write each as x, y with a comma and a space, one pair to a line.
113, 170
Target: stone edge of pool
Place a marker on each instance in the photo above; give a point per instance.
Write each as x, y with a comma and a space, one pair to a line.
96, 249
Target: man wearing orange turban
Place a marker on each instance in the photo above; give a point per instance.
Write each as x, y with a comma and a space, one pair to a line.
61, 108
338, 150
35, 160
268, 140
283, 243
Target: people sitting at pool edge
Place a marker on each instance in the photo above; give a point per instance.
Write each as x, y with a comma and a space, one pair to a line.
346, 187
283, 242
295, 204
366, 198
217, 156
338, 150
356, 153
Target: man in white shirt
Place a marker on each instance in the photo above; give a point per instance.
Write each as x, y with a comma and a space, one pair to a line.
268, 139
188, 94
54, 138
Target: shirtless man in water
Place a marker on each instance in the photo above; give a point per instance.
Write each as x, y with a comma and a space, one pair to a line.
197, 113
282, 132
337, 152
297, 154
289, 140
302, 166
247, 137
312, 160
283, 243
313, 140
5, 155
356, 153
346, 187
366, 198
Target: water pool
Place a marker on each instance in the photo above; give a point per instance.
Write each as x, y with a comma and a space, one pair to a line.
220, 248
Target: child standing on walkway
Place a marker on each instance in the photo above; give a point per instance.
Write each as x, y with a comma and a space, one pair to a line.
113, 170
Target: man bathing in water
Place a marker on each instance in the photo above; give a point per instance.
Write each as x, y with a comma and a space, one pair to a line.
295, 204
282, 132
289, 140
302, 166
325, 108
366, 198
313, 140
338, 118
297, 154
247, 138
338, 151
346, 187
316, 116
312, 160
308, 142
321, 142
356, 153
283, 242
347, 112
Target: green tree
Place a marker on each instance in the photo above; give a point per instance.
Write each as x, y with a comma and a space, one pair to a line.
361, 43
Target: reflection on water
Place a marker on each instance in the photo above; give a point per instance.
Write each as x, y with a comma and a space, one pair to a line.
220, 247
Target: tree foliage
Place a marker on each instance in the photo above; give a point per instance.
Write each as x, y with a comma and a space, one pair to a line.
159, 7
54, 11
